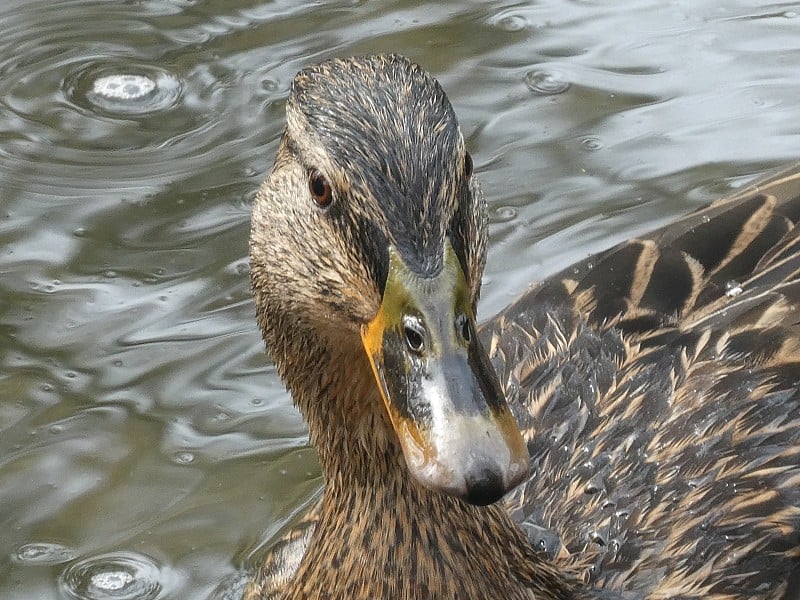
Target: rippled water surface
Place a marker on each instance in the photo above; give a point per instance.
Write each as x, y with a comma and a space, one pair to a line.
147, 449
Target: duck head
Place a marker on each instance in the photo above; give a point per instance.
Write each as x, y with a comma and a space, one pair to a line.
371, 231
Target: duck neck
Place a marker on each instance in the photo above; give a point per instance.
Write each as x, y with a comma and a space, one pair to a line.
375, 517
348, 424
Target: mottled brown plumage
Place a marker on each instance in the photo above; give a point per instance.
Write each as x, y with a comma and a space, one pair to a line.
657, 384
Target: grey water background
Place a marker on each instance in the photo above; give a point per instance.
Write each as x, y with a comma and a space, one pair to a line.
147, 448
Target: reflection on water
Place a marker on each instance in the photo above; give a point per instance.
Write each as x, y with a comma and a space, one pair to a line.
146, 447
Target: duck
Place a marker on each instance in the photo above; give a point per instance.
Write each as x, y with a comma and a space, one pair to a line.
628, 428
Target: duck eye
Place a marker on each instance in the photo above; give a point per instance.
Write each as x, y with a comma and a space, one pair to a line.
320, 189
468, 165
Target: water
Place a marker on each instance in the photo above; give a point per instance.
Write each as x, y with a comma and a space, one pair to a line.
146, 447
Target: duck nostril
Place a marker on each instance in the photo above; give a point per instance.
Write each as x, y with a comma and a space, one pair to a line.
414, 334
463, 328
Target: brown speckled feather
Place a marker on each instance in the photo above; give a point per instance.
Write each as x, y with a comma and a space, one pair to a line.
658, 385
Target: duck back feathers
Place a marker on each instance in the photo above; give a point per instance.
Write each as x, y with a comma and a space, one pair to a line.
658, 387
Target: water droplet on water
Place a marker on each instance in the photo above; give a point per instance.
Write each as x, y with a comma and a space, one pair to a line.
123, 89
112, 581
591, 143
43, 553
123, 86
504, 214
512, 23
546, 83
114, 576
509, 20
184, 458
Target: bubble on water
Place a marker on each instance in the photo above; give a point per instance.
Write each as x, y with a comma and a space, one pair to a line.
591, 143
184, 458
114, 576
123, 86
239, 267
512, 23
124, 90
43, 553
112, 581
546, 83
504, 214
269, 85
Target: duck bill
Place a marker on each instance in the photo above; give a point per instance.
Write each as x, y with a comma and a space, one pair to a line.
441, 393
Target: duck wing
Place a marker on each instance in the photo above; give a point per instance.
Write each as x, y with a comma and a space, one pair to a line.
658, 387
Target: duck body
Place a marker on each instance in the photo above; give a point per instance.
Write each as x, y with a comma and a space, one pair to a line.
666, 375
656, 385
